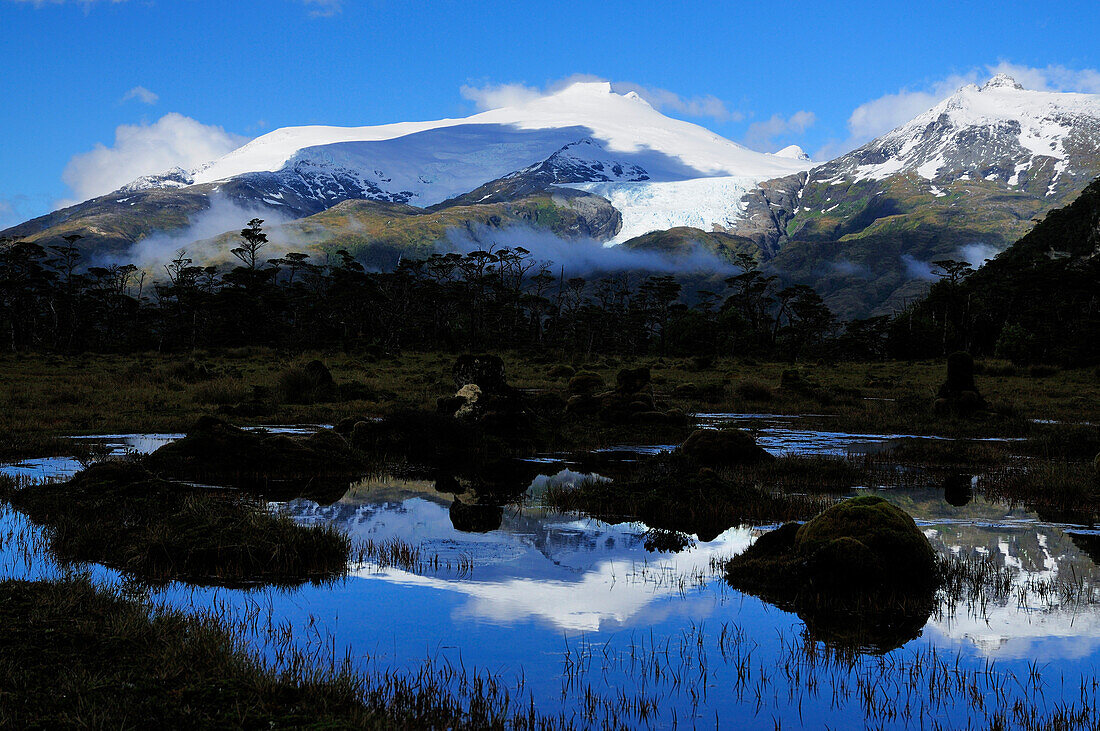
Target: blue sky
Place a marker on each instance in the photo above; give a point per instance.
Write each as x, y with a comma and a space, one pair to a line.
152, 81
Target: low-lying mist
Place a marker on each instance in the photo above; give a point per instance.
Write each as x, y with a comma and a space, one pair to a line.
585, 256
201, 239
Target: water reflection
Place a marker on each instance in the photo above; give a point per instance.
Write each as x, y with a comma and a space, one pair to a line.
543, 584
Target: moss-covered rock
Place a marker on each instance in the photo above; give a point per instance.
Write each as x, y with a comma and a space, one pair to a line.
888, 533
862, 544
276, 464
724, 447
860, 573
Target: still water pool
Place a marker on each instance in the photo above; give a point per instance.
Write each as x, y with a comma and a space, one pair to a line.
579, 616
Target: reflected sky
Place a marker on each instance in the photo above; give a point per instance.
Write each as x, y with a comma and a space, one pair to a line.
546, 587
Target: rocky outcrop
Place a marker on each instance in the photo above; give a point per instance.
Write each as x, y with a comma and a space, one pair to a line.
958, 394
717, 447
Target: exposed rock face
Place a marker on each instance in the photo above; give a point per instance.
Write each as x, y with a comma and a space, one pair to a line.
724, 447
470, 395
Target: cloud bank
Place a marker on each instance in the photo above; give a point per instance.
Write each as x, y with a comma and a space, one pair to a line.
223, 215
761, 135
145, 149
495, 96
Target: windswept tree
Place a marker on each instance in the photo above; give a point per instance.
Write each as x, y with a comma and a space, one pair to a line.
253, 239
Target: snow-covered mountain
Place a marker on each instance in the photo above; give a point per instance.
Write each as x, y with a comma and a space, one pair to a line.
997, 132
586, 130
963, 180
973, 171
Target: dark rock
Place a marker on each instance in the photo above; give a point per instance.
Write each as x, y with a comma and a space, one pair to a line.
476, 518
958, 489
562, 371
275, 464
724, 447
585, 383
889, 533
632, 380
958, 393
484, 371
860, 574
960, 375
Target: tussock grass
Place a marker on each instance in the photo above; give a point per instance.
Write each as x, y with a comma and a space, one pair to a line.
76, 656
672, 493
119, 515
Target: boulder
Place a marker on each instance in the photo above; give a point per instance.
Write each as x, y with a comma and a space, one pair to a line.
724, 447
222, 453
469, 395
632, 380
585, 383
860, 546
959, 394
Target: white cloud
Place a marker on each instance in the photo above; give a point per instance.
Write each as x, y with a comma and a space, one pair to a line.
877, 116
143, 149
760, 135
694, 106
976, 255
142, 94
324, 8
495, 96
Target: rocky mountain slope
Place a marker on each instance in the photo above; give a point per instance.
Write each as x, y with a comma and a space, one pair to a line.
963, 180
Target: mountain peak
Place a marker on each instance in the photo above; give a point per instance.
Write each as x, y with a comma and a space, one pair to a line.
792, 152
1002, 81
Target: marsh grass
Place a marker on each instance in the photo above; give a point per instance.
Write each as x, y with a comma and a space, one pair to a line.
117, 514
396, 553
153, 392
669, 492
1057, 490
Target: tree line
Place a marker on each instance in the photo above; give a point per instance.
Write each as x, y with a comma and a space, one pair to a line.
485, 299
